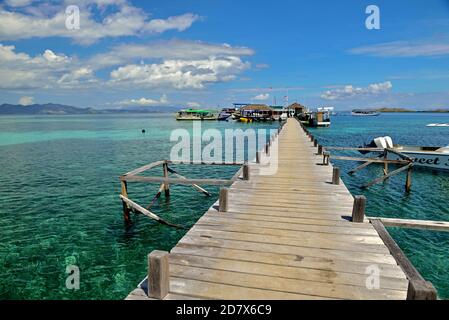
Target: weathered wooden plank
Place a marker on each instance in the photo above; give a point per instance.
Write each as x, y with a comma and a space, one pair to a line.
211, 290
288, 259
302, 287
296, 250
397, 253
145, 168
215, 182
414, 224
363, 245
288, 272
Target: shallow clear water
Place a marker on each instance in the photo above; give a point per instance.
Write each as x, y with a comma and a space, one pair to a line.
59, 200
428, 250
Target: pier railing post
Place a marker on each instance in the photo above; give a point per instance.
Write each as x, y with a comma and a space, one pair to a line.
267, 149
315, 142
126, 210
223, 200
336, 175
258, 156
320, 150
408, 181
358, 210
326, 156
421, 290
245, 171
158, 274
166, 185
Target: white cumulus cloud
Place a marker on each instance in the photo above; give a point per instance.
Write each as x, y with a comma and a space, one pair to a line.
349, 91
179, 74
262, 96
26, 100
42, 20
145, 101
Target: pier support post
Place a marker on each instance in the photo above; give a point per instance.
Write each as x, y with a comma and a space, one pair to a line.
126, 210
223, 200
258, 156
267, 149
166, 185
158, 274
320, 150
358, 210
336, 175
326, 155
245, 171
408, 181
421, 290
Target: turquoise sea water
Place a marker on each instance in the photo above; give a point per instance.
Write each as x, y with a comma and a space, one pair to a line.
59, 200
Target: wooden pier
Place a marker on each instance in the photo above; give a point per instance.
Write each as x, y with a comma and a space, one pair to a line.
296, 234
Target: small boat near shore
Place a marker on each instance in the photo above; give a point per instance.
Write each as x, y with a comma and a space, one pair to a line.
225, 113
366, 113
438, 125
196, 114
436, 158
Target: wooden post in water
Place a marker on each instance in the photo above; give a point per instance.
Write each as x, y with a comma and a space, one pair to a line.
336, 175
408, 181
158, 274
245, 171
358, 210
320, 150
126, 210
223, 200
421, 290
166, 185
385, 163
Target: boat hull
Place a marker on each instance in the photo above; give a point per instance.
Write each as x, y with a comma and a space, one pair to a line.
428, 160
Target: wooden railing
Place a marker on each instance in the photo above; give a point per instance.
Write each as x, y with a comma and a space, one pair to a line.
419, 288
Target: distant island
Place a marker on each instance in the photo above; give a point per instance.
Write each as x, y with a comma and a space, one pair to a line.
60, 109
409, 110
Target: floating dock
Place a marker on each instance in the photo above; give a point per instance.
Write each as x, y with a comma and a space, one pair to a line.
296, 234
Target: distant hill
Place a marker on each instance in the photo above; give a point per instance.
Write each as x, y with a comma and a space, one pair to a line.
409, 110
48, 108
60, 109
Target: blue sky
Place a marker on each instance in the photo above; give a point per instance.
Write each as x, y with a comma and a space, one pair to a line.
207, 53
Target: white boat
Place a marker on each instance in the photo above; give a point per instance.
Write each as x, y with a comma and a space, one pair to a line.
438, 125
436, 158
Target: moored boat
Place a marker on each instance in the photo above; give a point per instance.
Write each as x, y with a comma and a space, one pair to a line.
196, 114
364, 112
436, 158
225, 113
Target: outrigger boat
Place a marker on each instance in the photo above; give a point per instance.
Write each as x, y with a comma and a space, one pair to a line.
436, 158
363, 112
196, 114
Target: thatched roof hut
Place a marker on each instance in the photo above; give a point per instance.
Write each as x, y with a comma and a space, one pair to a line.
256, 107
297, 108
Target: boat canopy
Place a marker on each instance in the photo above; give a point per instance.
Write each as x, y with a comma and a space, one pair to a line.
200, 111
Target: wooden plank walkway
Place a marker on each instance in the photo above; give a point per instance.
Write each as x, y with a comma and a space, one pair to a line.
284, 236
